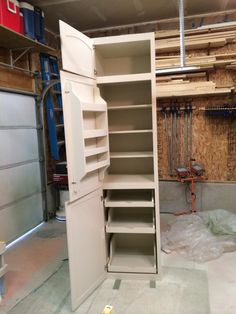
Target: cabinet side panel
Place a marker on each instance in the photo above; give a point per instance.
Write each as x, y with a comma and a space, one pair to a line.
155, 151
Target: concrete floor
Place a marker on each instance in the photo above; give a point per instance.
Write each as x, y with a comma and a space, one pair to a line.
37, 258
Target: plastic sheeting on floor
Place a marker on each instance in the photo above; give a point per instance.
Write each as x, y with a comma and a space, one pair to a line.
203, 236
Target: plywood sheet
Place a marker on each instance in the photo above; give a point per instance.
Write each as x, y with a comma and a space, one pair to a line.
213, 142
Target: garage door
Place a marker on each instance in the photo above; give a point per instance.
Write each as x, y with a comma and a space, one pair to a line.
20, 179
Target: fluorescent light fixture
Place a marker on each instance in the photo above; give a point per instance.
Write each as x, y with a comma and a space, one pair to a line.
24, 236
177, 70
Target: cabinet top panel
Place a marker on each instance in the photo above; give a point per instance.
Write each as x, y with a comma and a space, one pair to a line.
124, 38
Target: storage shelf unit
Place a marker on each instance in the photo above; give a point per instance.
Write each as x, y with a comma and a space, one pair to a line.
122, 194
12, 40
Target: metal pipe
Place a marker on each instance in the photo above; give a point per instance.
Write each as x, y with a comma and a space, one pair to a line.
185, 137
167, 142
175, 140
181, 31
191, 133
171, 142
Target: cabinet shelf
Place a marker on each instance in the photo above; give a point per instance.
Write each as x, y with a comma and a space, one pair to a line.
96, 151
129, 199
94, 107
94, 133
130, 131
11, 40
96, 165
130, 220
128, 181
130, 107
113, 79
131, 155
132, 253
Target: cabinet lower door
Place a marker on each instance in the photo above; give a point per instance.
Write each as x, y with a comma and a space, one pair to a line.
86, 245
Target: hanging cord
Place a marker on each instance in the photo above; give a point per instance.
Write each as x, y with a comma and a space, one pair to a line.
188, 191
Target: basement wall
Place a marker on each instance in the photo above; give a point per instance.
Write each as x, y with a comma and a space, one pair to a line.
209, 196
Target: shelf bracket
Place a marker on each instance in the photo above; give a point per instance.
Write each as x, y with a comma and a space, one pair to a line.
24, 52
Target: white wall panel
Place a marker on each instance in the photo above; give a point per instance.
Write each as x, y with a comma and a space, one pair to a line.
21, 205
19, 182
17, 109
20, 217
18, 146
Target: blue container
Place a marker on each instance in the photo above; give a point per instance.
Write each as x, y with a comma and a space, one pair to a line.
39, 25
28, 14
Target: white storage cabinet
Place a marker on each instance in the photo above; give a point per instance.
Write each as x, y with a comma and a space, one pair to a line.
109, 103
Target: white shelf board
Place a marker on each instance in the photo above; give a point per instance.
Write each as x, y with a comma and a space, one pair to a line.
95, 133
132, 261
130, 107
96, 165
129, 199
130, 227
128, 181
94, 107
130, 131
111, 79
129, 220
95, 151
131, 155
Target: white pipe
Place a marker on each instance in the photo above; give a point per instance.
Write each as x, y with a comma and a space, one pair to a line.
181, 31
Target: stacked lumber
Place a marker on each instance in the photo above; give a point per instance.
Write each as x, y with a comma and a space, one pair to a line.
182, 85
182, 88
203, 62
200, 38
201, 41
207, 29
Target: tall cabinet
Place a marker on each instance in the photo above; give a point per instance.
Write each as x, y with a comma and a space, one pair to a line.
109, 103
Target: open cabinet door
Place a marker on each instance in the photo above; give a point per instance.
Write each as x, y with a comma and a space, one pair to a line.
86, 134
77, 51
86, 245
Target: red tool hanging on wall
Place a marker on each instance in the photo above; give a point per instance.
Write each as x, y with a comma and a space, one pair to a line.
190, 175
